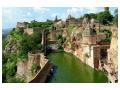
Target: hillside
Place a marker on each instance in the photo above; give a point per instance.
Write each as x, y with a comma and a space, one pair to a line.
15, 47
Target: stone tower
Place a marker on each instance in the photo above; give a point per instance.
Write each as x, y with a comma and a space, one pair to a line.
89, 34
33, 58
56, 19
84, 22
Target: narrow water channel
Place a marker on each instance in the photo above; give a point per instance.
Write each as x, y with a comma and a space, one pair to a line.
70, 69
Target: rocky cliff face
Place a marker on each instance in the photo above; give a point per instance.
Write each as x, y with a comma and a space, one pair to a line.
111, 66
19, 56
73, 39
11, 45
10, 53
113, 51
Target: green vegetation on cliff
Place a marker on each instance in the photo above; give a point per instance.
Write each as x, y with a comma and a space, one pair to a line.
60, 41
35, 68
115, 20
108, 34
40, 24
30, 43
15, 47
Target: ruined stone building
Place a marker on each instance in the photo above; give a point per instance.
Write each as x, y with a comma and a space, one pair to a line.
21, 25
71, 20
30, 31
94, 52
56, 19
24, 68
87, 45
58, 25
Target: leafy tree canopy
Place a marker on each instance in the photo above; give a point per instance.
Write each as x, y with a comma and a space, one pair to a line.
104, 17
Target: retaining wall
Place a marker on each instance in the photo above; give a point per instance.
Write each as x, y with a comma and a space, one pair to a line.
42, 74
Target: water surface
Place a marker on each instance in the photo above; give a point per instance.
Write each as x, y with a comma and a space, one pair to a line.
71, 70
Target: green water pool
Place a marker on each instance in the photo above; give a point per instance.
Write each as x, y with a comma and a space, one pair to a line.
71, 70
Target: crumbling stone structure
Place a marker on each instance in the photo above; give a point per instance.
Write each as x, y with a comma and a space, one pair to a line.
83, 43
112, 63
71, 20
21, 25
32, 30
24, 67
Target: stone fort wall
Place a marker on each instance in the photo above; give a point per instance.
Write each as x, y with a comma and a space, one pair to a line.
24, 67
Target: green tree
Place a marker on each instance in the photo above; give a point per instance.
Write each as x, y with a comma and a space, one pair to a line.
116, 17
93, 15
90, 16
35, 67
15, 80
104, 17
60, 41
108, 34
30, 43
87, 16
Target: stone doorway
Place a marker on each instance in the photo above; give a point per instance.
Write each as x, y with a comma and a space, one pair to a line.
103, 56
103, 53
96, 51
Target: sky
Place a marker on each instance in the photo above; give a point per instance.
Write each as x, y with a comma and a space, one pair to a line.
12, 15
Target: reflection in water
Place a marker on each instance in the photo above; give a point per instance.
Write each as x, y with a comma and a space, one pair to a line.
70, 69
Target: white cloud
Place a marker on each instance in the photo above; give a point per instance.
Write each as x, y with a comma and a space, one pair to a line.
75, 11
91, 10
8, 13
63, 16
28, 14
72, 11
40, 9
11, 16
81, 11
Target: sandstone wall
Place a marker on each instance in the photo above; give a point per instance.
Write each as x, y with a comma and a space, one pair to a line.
101, 36
28, 31
113, 51
24, 67
42, 74
89, 40
20, 25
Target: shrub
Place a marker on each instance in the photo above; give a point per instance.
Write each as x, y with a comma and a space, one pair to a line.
107, 32
15, 80
35, 68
